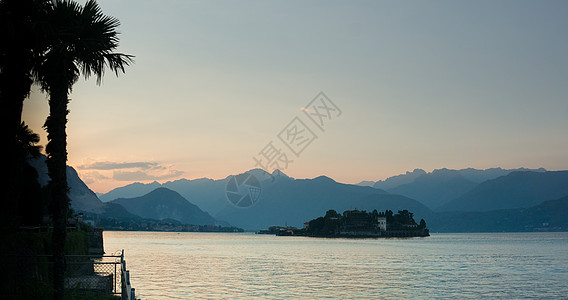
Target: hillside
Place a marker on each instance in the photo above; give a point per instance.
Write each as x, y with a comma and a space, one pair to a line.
282, 199
436, 188
285, 200
548, 216
398, 180
208, 194
519, 189
294, 201
163, 203
136, 189
471, 174
82, 198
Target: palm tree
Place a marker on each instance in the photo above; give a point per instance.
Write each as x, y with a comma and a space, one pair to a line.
31, 206
27, 142
81, 40
21, 25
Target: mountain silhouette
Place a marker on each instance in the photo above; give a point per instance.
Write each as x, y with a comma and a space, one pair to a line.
285, 200
295, 201
128, 191
519, 189
436, 188
208, 194
441, 186
547, 216
82, 198
471, 174
163, 203
398, 180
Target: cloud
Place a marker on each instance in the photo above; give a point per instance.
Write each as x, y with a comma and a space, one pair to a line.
145, 175
131, 176
100, 171
92, 177
109, 165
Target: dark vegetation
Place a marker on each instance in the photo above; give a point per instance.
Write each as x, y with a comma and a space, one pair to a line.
27, 265
50, 43
357, 223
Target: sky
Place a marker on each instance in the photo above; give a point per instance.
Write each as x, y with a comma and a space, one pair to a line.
221, 87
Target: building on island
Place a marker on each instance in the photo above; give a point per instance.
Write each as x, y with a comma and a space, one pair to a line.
357, 223
360, 223
382, 223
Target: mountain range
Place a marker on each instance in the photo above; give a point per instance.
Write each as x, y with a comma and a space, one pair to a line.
547, 216
163, 203
206, 193
285, 200
519, 189
159, 204
295, 201
437, 188
450, 200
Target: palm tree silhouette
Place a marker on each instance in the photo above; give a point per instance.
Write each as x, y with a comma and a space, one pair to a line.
81, 40
22, 27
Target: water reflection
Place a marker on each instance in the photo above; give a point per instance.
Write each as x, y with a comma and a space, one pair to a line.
213, 265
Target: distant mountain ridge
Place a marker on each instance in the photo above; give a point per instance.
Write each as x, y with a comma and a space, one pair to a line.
519, 189
163, 203
436, 188
441, 186
295, 201
474, 175
135, 189
285, 200
208, 194
549, 215
167, 204
398, 180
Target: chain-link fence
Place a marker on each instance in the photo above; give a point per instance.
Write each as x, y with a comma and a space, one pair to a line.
94, 274
84, 274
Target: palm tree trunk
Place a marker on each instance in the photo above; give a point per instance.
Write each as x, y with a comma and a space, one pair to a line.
56, 164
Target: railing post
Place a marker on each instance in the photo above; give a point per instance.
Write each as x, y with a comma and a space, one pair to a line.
122, 284
127, 292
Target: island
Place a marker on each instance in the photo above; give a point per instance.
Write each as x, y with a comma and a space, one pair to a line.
357, 224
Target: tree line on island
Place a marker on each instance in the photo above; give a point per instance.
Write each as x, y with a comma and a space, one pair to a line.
357, 223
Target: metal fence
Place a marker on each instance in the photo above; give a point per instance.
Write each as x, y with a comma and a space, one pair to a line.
87, 274
99, 274
95, 274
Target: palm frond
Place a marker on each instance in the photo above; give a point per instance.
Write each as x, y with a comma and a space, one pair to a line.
83, 42
27, 140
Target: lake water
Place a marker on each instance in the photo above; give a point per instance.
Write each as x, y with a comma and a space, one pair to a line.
246, 265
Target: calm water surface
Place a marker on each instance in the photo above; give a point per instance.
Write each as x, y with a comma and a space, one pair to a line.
245, 265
